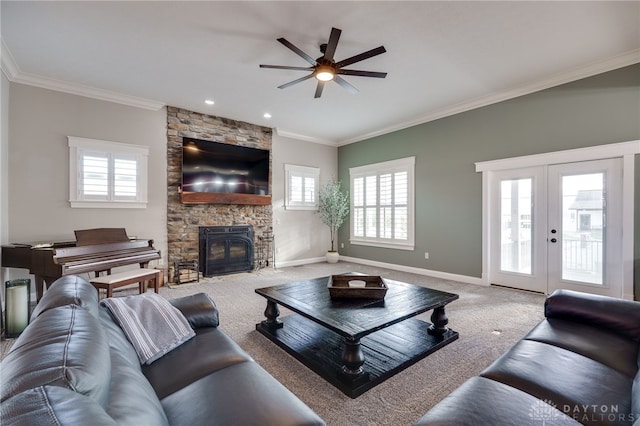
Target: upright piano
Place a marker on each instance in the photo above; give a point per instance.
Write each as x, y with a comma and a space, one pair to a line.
95, 250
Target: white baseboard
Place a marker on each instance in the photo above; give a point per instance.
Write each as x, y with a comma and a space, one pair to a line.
299, 262
419, 271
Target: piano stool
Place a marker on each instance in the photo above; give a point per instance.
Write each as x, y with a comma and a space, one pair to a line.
109, 282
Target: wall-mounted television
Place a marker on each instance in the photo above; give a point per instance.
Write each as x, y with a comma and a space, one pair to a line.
221, 168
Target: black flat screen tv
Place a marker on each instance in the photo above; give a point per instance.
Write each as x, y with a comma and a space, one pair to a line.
214, 167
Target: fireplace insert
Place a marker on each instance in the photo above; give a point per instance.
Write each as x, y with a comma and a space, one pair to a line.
226, 249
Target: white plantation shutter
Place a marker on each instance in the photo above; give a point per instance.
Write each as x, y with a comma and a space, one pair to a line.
107, 174
310, 189
296, 189
125, 178
357, 207
371, 208
94, 176
386, 208
382, 204
301, 187
401, 205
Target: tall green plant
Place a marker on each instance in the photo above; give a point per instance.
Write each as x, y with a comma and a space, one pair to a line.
333, 207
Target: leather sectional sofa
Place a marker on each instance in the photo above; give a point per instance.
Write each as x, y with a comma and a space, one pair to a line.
578, 366
74, 366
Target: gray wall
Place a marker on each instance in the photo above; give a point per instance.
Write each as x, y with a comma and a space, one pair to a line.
598, 110
35, 173
39, 122
300, 234
4, 157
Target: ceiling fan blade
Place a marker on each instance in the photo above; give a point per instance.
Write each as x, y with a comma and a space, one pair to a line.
291, 83
319, 88
361, 57
363, 73
345, 84
284, 67
333, 43
298, 51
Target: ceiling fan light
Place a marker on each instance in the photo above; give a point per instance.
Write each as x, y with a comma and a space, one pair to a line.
325, 73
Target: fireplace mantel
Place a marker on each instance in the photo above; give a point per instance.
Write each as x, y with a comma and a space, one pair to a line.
215, 198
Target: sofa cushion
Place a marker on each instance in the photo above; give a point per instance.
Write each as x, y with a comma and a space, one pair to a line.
132, 400
52, 405
68, 290
635, 399
211, 350
199, 309
240, 394
579, 386
614, 350
635, 396
63, 346
614, 315
482, 401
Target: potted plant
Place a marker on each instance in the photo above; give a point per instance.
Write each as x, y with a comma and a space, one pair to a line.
333, 206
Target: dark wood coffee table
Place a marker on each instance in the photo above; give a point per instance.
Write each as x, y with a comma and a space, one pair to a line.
356, 344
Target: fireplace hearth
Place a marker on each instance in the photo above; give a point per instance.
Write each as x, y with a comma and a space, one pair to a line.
226, 249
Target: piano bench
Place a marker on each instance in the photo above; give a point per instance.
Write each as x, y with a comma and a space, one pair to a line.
109, 282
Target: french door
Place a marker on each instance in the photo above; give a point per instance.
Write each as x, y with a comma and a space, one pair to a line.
558, 226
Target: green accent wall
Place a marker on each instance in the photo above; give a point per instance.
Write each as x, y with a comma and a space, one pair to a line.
598, 110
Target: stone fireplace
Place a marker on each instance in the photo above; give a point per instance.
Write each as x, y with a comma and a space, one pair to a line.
184, 220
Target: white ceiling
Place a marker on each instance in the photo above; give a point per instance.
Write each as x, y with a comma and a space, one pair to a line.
442, 57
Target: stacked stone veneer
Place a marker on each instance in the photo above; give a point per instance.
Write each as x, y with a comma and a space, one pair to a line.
183, 220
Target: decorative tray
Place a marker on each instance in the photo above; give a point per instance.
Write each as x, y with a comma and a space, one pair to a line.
357, 287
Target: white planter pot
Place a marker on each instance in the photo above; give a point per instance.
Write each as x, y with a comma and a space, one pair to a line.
332, 257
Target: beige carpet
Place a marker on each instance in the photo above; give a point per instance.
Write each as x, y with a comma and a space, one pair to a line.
489, 320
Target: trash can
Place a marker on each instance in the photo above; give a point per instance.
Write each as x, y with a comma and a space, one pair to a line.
17, 299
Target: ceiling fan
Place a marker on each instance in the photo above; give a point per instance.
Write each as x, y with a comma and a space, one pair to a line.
325, 68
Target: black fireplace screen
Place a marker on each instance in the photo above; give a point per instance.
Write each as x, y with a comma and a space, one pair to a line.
226, 249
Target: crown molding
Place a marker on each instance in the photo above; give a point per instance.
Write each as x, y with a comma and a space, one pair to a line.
7, 63
15, 75
292, 135
88, 92
610, 64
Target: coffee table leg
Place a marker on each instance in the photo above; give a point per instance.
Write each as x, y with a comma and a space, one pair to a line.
439, 321
272, 312
352, 358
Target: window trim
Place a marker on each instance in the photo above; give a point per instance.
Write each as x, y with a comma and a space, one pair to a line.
78, 145
291, 170
403, 164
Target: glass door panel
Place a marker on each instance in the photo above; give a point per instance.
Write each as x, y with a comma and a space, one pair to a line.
516, 249
583, 228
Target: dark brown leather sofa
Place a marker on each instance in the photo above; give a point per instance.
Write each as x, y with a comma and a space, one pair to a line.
74, 366
578, 366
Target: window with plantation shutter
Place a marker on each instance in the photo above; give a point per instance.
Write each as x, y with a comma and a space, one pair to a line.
382, 213
301, 187
107, 174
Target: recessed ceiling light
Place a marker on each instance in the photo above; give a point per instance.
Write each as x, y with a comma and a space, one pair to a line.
209, 102
267, 115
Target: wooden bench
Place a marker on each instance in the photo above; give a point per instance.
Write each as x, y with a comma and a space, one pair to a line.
142, 275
